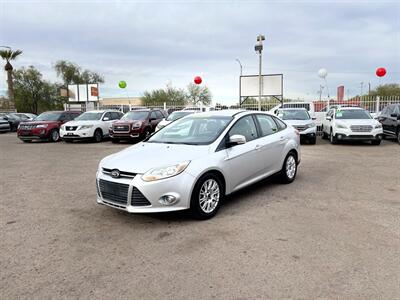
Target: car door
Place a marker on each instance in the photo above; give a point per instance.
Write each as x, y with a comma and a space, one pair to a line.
272, 142
241, 161
391, 120
106, 123
384, 118
327, 123
153, 120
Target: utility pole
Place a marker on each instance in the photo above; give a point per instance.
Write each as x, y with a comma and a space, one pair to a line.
361, 88
258, 48
369, 88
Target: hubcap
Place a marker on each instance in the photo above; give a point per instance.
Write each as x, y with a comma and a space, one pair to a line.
209, 196
98, 136
290, 167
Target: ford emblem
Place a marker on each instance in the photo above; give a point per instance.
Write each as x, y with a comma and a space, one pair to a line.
115, 173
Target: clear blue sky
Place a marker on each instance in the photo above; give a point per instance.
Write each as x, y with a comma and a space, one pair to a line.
152, 43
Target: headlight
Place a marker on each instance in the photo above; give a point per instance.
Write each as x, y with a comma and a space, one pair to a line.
341, 126
311, 125
136, 125
62, 127
165, 172
85, 127
378, 126
42, 126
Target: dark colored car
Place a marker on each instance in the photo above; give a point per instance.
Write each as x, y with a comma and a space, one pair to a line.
14, 119
46, 126
136, 124
390, 120
4, 125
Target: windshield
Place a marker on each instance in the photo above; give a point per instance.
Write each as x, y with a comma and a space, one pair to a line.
177, 115
49, 116
352, 114
193, 130
89, 116
135, 115
300, 114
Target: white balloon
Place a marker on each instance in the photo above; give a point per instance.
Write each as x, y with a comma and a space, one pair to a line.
322, 73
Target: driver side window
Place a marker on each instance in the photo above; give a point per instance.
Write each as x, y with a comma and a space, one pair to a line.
246, 127
107, 115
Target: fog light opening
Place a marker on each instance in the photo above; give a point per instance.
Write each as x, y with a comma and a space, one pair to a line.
340, 136
168, 200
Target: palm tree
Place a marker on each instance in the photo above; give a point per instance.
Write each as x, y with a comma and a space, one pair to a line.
9, 55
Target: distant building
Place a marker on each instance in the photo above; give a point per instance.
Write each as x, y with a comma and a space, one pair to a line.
137, 101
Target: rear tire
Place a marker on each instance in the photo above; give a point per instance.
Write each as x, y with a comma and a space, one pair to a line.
206, 197
54, 136
289, 168
98, 135
324, 134
332, 138
68, 141
26, 141
376, 142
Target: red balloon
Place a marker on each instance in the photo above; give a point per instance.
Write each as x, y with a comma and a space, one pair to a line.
380, 72
197, 80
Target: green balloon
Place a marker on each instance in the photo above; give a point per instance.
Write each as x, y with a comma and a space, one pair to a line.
122, 84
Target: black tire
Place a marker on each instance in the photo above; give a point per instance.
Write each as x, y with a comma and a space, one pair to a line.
115, 141
313, 141
285, 174
199, 211
332, 138
26, 141
98, 135
376, 142
54, 136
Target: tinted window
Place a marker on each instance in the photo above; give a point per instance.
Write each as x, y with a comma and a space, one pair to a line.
153, 115
115, 116
89, 116
267, 125
159, 115
107, 115
246, 127
135, 115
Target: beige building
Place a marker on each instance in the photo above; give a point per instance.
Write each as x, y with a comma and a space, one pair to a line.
121, 101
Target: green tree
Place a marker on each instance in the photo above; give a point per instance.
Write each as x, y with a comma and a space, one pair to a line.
386, 90
9, 55
32, 93
71, 73
169, 94
198, 94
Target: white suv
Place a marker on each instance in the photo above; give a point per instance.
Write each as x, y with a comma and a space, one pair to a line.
90, 125
351, 123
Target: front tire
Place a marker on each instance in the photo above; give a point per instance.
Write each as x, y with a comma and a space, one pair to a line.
54, 136
206, 197
289, 168
332, 138
398, 137
98, 135
313, 141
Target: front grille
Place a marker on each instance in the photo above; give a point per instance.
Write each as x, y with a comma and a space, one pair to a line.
113, 191
26, 126
300, 128
121, 173
138, 199
71, 128
121, 128
361, 128
362, 137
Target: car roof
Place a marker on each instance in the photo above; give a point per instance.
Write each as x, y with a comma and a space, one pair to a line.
293, 108
103, 110
350, 108
231, 113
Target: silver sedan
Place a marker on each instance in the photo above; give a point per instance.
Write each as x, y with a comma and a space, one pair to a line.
196, 161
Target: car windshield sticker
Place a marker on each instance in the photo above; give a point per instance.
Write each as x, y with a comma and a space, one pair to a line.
338, 113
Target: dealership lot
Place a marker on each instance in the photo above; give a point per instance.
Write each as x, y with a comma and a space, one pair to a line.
333, 233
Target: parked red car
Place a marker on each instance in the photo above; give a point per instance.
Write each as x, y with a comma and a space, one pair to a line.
46, 126
135, 124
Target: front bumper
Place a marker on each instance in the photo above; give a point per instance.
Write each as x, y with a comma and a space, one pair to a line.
178, 186
308, 134
77, 134
33, 134
346, 134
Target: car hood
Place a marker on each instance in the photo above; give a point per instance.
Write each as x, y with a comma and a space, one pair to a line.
40, 122
350, 122
298, 122
145, 156
164, 123
80, 123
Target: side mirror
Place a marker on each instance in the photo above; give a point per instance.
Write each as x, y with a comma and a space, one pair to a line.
313, 118
236, 139
106, 119
329, 118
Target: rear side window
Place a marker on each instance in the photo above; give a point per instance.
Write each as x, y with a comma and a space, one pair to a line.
246, 127
115, 116
396, 109
159, 115
153, 115
281, 125
267, 125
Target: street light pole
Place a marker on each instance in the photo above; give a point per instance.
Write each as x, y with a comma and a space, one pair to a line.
240, 78
259, 48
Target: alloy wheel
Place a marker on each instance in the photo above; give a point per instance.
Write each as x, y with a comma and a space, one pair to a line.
290, 167
55, 135
209, 196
